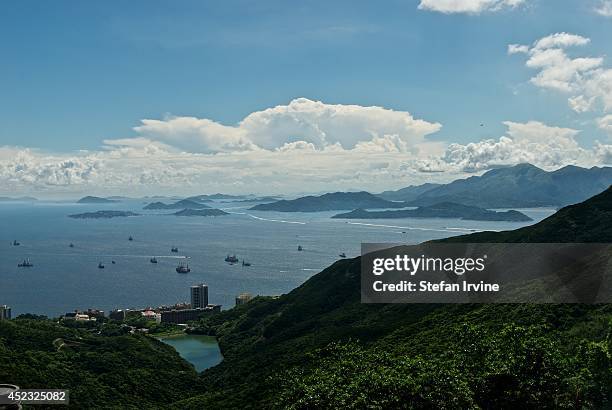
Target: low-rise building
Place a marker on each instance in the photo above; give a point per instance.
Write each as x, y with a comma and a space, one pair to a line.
243, 298
187, 315
118, 314
95, 313
150, 314
78, 316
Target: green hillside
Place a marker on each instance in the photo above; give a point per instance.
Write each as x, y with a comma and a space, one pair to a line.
102, 366
318, 346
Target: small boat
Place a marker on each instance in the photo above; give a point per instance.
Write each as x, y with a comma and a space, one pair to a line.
71, 245
153, 260
183, 268
246, 263
100, 265
15, 243
231, 259
174, 249
25, 264
342, 255
300, 248
113, 262
130, 239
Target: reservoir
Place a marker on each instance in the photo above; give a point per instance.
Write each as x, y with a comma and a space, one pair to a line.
201, 351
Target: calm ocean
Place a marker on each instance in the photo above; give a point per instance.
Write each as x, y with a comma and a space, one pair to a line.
64, 278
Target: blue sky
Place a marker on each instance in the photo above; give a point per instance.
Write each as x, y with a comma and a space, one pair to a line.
75, 74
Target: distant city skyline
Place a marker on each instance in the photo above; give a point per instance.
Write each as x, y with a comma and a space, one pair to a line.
147, 98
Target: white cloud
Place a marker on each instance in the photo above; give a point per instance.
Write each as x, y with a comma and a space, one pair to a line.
517, 49
195, 134
585, 79
302, 119
604, 8
330, 148
603, 153
560, 40
468, 6
605, 123
532, 142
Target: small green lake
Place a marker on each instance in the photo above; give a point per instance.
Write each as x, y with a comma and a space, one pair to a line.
201, 351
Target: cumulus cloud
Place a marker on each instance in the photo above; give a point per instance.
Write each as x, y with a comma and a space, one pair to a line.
302, 119
532, 142
605, 123
604, 8
517, 49
195, 134
585, 79
468, 6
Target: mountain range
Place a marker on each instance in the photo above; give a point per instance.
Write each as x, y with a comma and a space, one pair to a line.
523, 185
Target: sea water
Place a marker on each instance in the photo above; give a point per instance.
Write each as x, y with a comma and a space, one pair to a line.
64, 278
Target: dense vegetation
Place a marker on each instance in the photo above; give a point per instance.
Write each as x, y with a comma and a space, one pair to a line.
102, 365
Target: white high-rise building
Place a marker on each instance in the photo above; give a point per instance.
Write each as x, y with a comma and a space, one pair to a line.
5, 312
199, 296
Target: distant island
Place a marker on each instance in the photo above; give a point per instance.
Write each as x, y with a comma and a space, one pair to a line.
95, 200
182, 204
329, 202
201, 212
103, 215
19, 199
520, 186
443, 210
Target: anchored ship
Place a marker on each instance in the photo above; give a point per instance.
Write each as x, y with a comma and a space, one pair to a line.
25, 264
183, 268
231, 259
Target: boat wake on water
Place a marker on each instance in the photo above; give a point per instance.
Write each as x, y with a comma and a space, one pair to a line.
114, 255
275, 220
